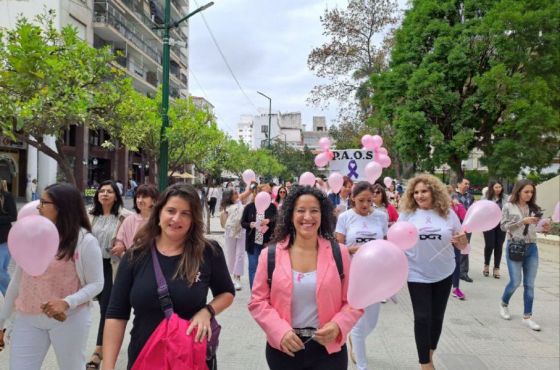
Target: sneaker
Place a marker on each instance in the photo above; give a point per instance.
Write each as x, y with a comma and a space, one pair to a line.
383, 301
457, 293
504, 312
530, 323
237, 284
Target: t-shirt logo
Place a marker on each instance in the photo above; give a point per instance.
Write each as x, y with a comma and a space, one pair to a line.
429, 233
428, 220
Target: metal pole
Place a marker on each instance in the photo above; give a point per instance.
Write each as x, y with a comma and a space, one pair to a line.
164, 144
269, 115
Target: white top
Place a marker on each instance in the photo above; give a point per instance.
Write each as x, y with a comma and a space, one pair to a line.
359, 229
89, 267
304, 303
432, 258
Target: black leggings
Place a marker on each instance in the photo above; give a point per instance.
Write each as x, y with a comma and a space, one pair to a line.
429, 301
212, 205
493, 242
104, 297
313, 357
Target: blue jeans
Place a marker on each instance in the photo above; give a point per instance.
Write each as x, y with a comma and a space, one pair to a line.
4, 262
253, 262
529, 266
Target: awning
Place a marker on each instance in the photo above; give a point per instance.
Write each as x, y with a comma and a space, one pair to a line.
184, 175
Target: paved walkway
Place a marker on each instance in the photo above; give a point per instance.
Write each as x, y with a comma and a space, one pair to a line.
474, 335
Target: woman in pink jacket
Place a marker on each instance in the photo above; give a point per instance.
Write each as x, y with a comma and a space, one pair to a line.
303, 309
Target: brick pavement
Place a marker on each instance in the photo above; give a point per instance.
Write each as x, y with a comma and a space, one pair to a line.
474, 335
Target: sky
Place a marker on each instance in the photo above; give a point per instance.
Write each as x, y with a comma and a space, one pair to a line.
266, 43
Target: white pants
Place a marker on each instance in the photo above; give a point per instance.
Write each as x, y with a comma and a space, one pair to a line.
33, 334
235, 254
360, 331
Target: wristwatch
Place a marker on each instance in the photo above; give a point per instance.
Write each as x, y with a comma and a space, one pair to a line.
211, 310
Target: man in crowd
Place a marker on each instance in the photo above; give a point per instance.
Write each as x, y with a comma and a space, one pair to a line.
463, 196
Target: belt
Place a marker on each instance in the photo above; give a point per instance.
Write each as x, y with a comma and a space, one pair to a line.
305, 332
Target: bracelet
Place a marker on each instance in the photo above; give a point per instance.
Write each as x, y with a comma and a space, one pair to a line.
211, 310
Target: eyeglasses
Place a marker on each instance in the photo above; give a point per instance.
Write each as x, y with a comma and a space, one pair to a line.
105, 191
42, 202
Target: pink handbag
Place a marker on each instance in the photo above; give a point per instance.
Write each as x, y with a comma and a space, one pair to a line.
169, 347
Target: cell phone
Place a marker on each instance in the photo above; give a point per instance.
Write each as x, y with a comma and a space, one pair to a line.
253, 186
538, 214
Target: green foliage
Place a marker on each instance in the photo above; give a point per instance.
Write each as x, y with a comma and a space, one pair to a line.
474, 74
295, 161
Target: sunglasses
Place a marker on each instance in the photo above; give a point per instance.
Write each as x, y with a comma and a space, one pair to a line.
282, 192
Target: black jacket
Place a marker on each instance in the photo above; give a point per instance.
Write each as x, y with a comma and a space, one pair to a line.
250, 215
8, 214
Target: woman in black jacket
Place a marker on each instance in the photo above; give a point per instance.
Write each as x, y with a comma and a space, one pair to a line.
255, 239
8, 214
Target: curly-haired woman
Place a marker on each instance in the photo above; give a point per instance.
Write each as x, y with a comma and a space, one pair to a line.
303, 310
431, 262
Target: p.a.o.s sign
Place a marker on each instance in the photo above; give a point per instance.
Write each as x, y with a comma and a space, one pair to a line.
351, 163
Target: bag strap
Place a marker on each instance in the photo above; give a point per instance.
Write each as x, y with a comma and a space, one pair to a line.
337, 255
162, 290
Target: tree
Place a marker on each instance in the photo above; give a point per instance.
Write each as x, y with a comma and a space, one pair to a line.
52, 80
295, 161
350, 54
473, 74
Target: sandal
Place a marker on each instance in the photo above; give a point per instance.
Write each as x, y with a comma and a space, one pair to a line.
95, 365
496, 273
486, 271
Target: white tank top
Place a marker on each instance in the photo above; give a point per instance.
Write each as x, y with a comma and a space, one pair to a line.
304, 303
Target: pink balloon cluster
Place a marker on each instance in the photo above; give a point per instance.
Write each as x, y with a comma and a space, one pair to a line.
323, 158
382, 160
382, 262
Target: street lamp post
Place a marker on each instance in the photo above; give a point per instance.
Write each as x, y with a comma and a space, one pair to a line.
269, 115
164, 144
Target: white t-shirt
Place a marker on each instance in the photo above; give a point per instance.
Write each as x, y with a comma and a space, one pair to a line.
361, 229
432, 259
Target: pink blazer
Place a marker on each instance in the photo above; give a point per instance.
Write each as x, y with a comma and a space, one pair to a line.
271, 308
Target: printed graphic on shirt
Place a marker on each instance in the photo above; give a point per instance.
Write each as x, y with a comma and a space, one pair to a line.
429, 233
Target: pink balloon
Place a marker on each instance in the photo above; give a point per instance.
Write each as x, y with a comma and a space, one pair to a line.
324, 143
368, 142
377, 141
382, 151
336, 180
403, 234
556, 213
307, 179
262, 201
388, 181
29, 209
248, 176
322, 159
373, 171
33, 243
483, 215
378, 270
383, 160
275, 191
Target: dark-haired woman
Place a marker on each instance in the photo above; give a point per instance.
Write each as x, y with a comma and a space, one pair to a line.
355, 227
494, 239
281, 196
66, 288
191, 265
256, 238
234, 236
519, 219
304, 311
381, 202
8, 214
146, 196
106, 217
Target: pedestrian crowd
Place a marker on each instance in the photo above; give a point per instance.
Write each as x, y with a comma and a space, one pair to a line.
156, 261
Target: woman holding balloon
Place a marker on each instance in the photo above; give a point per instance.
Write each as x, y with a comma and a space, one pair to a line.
381, 202
303, 308
355, 227
258, 220
52, 307
426, 204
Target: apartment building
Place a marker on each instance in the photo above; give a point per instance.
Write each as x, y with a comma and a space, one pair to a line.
126, 26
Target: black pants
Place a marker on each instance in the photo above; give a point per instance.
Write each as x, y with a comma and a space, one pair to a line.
457, 270
429, 301
465, 260
104, 297
493, 242
212, 205
313, 357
